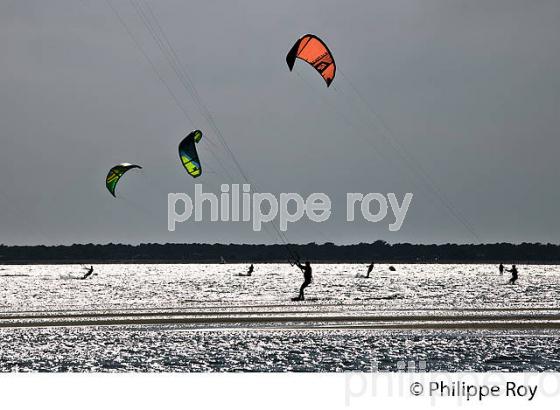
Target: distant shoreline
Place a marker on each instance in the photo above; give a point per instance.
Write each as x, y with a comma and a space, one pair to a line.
378, 252
284, 261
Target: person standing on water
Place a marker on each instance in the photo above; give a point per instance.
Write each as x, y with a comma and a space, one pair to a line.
514, 275
307, 278
501, 268
249, 272
369, 269
88, 273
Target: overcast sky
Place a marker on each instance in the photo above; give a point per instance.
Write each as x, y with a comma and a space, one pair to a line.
470, 89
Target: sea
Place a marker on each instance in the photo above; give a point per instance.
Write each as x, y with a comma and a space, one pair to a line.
208, 318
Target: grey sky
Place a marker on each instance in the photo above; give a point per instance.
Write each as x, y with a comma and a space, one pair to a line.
469, 88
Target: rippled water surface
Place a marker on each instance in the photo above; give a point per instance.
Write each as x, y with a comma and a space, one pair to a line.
29, 291
168, 349
45, 287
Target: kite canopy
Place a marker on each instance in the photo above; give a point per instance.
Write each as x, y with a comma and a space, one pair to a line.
188, 154
115, 174
313, 50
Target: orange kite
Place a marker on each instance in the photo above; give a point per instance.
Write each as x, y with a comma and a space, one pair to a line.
313, 50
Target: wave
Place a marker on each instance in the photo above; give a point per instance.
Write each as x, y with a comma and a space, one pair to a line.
14, 275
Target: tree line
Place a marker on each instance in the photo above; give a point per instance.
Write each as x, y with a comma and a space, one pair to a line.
379, 251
